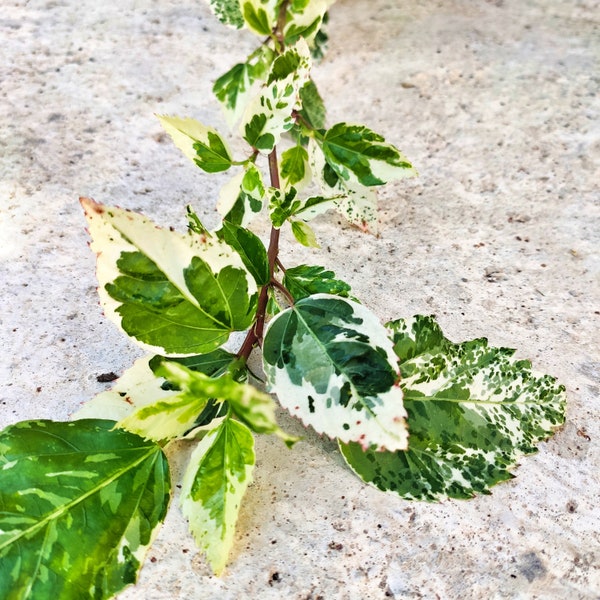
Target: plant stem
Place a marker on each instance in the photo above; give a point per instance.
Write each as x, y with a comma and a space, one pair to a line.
255, 334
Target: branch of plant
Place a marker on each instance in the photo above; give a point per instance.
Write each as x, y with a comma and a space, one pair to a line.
255, 334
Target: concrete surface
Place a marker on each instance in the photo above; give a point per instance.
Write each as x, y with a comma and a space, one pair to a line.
496, 103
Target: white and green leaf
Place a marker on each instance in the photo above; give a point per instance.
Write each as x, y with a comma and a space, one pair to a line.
304, 234
355, 202
306, 280
270, 113
283, 205
235, 88
201, 144
68, 487
216, 478
228, 12
358, 154
260, 16
294, 170
136, 388
303, 19
473, 411
331, 363
176, 294
313, 108
242, 198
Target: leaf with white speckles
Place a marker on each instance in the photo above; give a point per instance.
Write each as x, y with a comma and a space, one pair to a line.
331, 363
175, 294
473, 410
228, 12
269, 114
65, 487
219, 471
355, 202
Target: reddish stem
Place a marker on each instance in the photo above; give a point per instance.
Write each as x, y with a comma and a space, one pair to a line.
255, 334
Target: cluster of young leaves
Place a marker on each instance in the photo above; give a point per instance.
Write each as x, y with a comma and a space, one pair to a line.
412, 412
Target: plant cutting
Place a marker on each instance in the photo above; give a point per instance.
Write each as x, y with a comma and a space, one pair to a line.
412, 412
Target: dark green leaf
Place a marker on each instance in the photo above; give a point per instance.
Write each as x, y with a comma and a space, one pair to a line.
251, 250
305, 280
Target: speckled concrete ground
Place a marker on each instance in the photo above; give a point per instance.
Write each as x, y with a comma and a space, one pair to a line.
496, 103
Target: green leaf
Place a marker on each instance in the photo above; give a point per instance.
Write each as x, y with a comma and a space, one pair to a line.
320, 40
304, 234
473, 411
176, 294
269, 114
283, 205
250, 248
313, 108
356, 153
331, 364
219, 471
304, 19
228, 12
201, 144
81, 503
305, 280
354, 201
141, 386
234, 88
242, 198
137, 387
294, 169
260, 15
255, 408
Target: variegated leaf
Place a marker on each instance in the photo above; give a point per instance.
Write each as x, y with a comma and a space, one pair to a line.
228, 12
284, 205
234, 89
294, 170
260, 15
140, 386
331, 363
242, 198
219, 471
304, 234
81, 503
303, 19
473, 411
269, 115
173, 293
306, 280
137, 387
201, 144
354, 201
313, 108
360, 155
